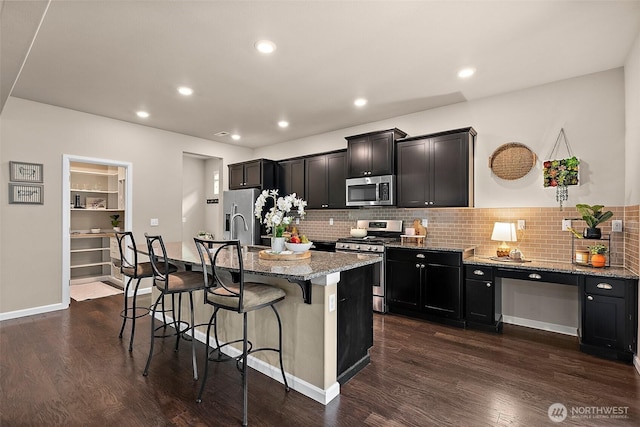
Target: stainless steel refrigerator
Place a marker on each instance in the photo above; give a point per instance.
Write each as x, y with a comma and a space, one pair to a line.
239, 216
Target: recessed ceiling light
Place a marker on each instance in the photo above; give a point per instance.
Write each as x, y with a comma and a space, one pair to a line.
360, 102
265, 46
142, 114
186, 91
466, 72
235, 137
283, 123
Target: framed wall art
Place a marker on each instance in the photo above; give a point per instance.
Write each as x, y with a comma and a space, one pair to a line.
96, 203
30, 194
25, 172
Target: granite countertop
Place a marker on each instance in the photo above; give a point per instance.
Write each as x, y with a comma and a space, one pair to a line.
429, 247
318, 265
554, 266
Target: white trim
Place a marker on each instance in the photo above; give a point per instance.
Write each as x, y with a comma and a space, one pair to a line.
66, 214
31, 311
636, 363
295, 383
536, 324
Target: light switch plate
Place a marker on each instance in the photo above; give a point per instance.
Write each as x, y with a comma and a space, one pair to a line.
154, 222
330, 221
425, 222
521, 224
616, 225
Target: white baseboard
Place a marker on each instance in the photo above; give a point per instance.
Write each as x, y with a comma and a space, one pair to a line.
141, 291
31, 311
295, 383
636, 363
536, 324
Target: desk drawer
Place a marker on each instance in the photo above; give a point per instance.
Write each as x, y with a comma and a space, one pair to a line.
605, 286
478, 272
539, 276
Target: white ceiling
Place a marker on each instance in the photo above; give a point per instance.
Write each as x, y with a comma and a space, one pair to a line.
113, 58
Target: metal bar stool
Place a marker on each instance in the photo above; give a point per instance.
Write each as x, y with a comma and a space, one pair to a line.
225, 292
131, 268
171, 283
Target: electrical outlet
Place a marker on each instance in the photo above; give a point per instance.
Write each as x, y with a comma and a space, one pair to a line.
297, 221
330, 221
332, 303
521, 225
425, 222
616, 225
566, 224
153, 222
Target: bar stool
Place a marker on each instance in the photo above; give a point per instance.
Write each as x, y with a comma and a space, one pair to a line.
134, 270
230, 292
172, 283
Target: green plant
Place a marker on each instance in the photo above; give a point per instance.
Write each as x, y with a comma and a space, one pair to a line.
114, 220
593, 215
598, 248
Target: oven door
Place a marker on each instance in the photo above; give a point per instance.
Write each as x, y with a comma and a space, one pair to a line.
377, 282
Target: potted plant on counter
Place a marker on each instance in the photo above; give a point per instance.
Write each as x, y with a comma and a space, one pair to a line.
598, 258
279, 215
593, 216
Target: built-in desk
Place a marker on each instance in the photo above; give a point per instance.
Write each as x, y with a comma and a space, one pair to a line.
608, 298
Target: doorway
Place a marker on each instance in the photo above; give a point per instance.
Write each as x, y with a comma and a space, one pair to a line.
94, 190
201, 196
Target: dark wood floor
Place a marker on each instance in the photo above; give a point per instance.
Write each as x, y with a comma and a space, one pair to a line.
70, 369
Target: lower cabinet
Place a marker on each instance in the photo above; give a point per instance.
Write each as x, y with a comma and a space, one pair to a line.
483, 298
425, 284
355, 321
609, 317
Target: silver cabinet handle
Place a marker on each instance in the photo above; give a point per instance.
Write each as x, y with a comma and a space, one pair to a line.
430, 203
417, 265
488, 284
419, 255
478, 272
426, 203
589, 297
604, 286
422, 266
535, 276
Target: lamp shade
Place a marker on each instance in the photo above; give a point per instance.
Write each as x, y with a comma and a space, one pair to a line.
504, 232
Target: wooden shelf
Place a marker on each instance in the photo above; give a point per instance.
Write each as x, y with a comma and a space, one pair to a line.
113, 173
73, 251
77, 190
97, 210
92, 264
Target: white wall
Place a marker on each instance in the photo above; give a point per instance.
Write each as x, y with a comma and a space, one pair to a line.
31, 243
589, 108
193, 198
632, 111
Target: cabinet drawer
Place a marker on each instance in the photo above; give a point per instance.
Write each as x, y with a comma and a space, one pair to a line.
539, 276
605, 286
478, 272
444, 258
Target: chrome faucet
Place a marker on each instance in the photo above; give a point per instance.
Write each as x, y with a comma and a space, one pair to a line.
233, 220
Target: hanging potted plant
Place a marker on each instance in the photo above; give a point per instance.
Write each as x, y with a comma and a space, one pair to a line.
593, 216
598, 258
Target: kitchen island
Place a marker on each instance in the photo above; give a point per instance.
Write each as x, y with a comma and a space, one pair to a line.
323, 343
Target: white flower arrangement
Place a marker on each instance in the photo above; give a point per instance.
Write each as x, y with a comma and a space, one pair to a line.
277, 217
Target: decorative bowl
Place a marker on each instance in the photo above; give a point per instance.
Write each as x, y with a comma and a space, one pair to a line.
95, 230
358, 232
298, 247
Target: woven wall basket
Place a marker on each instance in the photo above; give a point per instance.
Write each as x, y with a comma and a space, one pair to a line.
512, 161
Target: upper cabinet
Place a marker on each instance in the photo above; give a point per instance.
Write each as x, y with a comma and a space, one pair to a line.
436, 170
325, 180
291, 177
254, 174
372, 153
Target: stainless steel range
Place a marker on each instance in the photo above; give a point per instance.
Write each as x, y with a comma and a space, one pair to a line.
379, 233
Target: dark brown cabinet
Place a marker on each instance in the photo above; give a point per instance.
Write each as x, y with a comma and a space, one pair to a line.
372, 153
483, 298
325, 177
436, 170
609, 317
254, 174
291, 177
425, 283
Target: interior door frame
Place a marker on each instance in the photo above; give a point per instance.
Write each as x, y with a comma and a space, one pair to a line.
66, 212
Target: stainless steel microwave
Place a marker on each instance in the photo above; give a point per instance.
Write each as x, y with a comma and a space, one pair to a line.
371, 191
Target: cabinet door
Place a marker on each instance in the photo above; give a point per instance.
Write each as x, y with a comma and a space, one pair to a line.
441, 290
604, 321
316, 182
336, 171
359, 157
412, 173
381, 154
236, 176
292, 177
253, 174
449, 177
403, 283
479, 301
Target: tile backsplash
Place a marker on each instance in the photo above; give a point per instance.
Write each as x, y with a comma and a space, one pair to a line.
542, 239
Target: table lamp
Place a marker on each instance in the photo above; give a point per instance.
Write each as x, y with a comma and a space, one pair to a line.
504, 232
